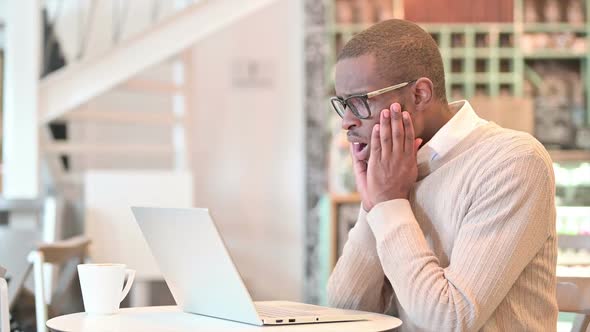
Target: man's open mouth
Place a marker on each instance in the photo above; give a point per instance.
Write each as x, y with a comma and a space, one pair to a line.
361, 151
359, 146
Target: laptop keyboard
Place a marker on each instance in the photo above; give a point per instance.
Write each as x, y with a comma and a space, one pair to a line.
274, 311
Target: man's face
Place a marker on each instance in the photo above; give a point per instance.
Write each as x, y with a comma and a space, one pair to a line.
359, 75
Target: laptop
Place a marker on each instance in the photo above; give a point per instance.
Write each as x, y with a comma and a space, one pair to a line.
203, 278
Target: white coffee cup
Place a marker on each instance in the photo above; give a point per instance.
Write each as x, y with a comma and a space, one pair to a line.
102, 286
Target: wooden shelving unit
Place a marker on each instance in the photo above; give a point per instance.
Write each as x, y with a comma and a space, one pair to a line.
554, 27
490, 59
561, 156
481, 58
477, 59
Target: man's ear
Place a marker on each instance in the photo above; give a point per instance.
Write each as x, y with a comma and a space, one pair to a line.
423, 91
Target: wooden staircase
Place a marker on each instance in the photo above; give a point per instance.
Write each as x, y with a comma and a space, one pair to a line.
156, 138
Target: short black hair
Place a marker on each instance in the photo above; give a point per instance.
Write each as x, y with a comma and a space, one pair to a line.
403, 50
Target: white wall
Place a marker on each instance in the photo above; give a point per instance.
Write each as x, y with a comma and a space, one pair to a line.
21, 71
3, 17
110, 133
138, 18
248, 144
3, 8
249, 147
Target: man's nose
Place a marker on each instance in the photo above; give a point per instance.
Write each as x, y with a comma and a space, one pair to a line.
349, 121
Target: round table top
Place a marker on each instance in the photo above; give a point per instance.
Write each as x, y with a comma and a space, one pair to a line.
171, 318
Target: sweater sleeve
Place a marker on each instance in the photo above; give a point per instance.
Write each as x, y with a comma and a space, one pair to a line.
508, 220
358, 281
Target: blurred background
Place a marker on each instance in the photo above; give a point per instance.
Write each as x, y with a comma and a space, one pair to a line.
224, 104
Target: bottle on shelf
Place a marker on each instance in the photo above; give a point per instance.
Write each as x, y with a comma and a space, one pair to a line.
552, 11
384, 10
344, 12
530, 12
366, 11
579, 45
563, 41
482, 40
575, 12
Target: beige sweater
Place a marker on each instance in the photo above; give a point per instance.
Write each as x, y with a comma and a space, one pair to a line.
473, 249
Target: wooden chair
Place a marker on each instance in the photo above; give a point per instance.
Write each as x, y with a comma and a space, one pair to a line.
4, 314
573, 295
58, 253
573, 292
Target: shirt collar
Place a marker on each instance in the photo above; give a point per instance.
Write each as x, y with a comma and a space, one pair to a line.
463, 122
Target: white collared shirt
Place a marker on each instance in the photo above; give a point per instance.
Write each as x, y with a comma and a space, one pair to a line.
454, 131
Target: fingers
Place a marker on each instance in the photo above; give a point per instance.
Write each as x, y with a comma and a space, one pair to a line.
359, 166
417, 143
409, 134
385, 134
397, 129
376, 148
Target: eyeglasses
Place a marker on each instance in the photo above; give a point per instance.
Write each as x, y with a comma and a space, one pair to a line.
358, 104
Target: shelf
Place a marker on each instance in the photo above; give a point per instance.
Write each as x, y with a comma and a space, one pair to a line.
433, 28
573, 241
567, 210
456, 78
457, 52
570, 272
569, 155
506, 52
483, 52
462, 27
480, 78
553, 27
507, 78
546, 54
500, 52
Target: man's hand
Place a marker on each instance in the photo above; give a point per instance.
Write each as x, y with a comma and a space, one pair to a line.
360, 176
392, 169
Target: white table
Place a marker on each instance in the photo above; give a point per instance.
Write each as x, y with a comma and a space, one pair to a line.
171, 318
